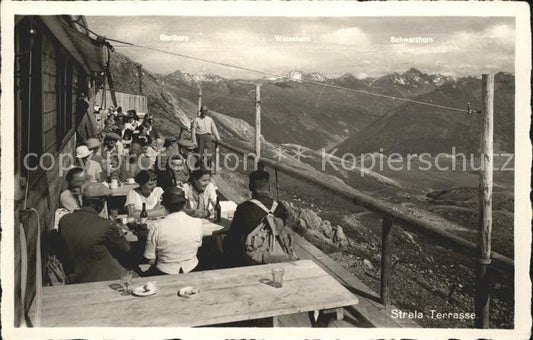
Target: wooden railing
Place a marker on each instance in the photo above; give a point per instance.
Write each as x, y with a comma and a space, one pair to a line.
392, 215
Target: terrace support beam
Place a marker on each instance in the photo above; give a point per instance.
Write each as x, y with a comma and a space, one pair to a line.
257, 125
199, 99
482, 296
386, 261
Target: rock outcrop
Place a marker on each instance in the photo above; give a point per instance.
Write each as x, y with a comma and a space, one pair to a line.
307, 222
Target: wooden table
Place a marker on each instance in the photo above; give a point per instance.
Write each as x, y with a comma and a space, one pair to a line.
226, 295
208, 228
123, 190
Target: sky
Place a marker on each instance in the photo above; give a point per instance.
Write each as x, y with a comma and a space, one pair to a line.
362, 46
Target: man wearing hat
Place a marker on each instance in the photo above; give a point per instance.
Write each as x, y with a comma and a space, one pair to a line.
204, 133
93, 169
93, 248
112, 152
172, 244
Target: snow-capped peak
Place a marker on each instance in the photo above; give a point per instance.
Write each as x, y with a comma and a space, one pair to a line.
315, 76
295, 75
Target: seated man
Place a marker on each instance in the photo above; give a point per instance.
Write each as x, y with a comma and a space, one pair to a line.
112, 153
109, 126
247, 217
134, 162
70, 199
173, 242
93, 248
174, 164
92, 168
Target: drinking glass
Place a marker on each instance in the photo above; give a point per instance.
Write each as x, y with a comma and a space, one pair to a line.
114, 184
277, 277
126, 281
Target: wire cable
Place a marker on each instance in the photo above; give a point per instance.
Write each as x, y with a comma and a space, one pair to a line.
303, 81
280, 76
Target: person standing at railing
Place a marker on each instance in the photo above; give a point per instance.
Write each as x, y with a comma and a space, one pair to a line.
204, 135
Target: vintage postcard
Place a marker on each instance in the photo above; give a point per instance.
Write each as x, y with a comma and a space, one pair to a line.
273, 170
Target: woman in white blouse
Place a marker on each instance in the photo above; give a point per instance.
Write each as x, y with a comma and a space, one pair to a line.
148, 192
200, 193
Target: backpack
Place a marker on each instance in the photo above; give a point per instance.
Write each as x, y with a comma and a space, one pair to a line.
270, 241
55, 274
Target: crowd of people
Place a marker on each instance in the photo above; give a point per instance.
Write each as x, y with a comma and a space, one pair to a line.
173, 178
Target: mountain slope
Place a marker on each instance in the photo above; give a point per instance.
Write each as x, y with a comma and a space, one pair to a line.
415, 128
294, 111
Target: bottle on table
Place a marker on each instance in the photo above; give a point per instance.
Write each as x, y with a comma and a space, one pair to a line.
218, 210
144, 215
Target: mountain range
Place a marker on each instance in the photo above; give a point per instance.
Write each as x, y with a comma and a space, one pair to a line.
297, 110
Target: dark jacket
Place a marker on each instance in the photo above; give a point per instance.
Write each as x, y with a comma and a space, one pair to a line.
92, 247
247, 216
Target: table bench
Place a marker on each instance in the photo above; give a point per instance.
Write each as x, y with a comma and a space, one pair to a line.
226, 295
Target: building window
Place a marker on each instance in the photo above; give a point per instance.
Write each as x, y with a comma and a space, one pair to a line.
28, 94
64, 97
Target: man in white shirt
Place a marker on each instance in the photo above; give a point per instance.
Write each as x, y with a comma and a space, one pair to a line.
204, 133
173, 242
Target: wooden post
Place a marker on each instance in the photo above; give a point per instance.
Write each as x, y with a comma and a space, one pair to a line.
386, 260
257, 125
482, 298
199, 99
140, 68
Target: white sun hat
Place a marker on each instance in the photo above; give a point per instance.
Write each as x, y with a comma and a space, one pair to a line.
83, 151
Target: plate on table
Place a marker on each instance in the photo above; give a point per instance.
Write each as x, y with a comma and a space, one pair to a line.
188, 292
143, 291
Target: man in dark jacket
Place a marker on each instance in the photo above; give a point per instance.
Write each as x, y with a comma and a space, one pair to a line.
94, 250
248, 216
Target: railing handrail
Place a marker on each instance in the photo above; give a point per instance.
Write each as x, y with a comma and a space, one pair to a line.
380, 207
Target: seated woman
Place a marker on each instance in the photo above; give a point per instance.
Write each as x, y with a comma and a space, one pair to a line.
148, 192
200, 193
173, 242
